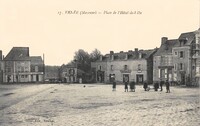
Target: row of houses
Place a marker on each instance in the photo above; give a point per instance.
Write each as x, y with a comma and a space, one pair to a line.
19, 67
177, 60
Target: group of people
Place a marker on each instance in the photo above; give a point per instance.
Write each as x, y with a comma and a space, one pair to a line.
145, 86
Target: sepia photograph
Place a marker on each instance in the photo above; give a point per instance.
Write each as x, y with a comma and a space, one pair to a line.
100, 63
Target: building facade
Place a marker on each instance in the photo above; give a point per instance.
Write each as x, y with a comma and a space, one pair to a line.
52, 74
163, 61
135, 65
178, 60
69, 73
19, 67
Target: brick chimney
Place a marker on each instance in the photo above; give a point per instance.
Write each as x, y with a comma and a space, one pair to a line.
1, 56
136, 50
112, 55
101, 57
163, 40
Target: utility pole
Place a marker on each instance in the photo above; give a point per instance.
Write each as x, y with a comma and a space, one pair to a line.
43, 69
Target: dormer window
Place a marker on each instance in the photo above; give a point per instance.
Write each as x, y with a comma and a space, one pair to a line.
125, 67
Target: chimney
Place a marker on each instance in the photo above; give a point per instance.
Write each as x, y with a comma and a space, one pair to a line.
140, 55
126, 58
1, 56
112, 55
136, 49
163, 40
101, 57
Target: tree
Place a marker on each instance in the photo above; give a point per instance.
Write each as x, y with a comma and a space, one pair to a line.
83, 60
95, 55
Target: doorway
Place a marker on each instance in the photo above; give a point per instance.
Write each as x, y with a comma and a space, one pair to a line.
126, 77
139, 78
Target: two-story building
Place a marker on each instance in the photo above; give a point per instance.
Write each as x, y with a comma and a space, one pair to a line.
137, 65
18, 66
69, 73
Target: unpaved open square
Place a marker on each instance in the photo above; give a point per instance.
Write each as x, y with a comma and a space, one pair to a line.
97, 105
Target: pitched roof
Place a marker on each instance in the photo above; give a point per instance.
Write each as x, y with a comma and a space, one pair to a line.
166, 48
188, 36
132, 55
36, 60
18, 53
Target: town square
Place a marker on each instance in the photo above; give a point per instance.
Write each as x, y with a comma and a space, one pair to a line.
97, 105
99, 63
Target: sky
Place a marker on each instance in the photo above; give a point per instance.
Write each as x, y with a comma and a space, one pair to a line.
46, 28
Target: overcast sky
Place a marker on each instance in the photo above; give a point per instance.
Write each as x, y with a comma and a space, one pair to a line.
38, 25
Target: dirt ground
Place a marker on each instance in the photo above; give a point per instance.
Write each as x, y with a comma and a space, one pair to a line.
97, 105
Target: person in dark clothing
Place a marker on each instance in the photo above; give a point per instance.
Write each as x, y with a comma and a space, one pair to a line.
145, 86
114, 85
167, 86
126, 84
132, 86
156, 86
161, 84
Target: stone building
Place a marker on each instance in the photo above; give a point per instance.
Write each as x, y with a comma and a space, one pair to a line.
68, 73
135, 65
19, 67
163, 61
179, 60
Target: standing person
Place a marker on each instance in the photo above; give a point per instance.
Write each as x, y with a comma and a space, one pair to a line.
145, 86
167, 86
156, 86
132, 86
114, 85
161, 84
126, 84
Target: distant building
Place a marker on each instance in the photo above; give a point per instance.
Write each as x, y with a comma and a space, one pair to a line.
1, 67
52, 74
68, 73
137, 65
179, 60
19, 67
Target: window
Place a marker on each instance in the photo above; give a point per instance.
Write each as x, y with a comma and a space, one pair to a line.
22, 69
25, 76
99, 67
125, 67
175, 53
181, 66
22, 76
175, 67
8, 69
71, 71
111, 67
18, 69
181, 54
26, 69
36, 68
139, 66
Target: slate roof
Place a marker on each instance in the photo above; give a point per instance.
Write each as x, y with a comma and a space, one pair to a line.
189, 36
132, 55
36, 60
18, 53
166, 48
